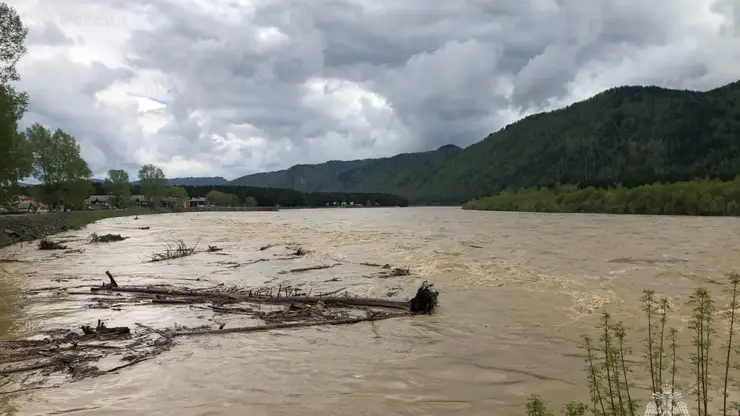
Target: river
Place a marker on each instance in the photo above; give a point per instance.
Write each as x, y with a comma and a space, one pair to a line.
517, 291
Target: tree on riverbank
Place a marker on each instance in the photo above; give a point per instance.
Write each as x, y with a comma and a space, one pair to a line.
57, 163
222, 199
15, 163
153, 183
118, 188
250, 202
178, 195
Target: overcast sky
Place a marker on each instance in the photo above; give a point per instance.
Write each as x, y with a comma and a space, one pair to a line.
232, 87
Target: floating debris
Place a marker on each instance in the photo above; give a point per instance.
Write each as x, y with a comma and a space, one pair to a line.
105, 238
174, 250
77, 355
46, 244
307, 269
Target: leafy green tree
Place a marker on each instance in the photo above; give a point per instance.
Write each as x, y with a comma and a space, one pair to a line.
153, 183
118, 187
178, 194
222, 199
217, 198
15, 158
15, 161
58, 165
75, 192
12, 36
250, 201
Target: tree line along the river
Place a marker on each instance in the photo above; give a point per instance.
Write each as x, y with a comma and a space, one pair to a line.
228, 195
698, 197
53, 158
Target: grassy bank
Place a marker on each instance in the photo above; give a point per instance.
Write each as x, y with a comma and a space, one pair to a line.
707, 343
699, 197
26, 227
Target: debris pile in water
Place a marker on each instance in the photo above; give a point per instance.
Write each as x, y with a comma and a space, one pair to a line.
105, 238
27, 364
78, 354
173, 250
46, 244
97, 348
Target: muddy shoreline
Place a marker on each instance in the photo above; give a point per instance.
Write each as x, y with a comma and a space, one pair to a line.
17, 228
28, 227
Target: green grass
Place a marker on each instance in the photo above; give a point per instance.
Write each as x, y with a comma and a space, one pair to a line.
608, 376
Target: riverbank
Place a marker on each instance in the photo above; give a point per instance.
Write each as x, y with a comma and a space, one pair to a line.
16, 228
27, 227
228, 209
698, 197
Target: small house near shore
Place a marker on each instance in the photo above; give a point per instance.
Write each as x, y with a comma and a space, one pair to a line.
197, 202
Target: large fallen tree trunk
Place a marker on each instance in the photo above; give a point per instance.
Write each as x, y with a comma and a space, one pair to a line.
424, 302
257, 328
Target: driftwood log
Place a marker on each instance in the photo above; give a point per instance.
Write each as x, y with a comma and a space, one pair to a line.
287, 325
380, 303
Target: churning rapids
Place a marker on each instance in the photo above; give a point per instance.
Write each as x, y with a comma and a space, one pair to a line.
517, 291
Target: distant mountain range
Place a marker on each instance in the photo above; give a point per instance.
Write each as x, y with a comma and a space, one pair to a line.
632, 136
344, 176
332, 176
195, 181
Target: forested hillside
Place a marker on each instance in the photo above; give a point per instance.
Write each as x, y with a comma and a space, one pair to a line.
627, 135
343, 176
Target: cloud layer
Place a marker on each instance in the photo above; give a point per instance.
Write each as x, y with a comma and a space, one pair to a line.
241, 86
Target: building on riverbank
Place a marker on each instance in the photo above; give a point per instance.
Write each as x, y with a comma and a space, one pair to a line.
196, 202
25, 204
139, 201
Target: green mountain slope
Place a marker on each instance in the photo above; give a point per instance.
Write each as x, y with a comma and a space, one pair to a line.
627, 135
343, 176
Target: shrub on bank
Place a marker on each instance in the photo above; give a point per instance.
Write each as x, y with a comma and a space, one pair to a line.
698, 197
608, 373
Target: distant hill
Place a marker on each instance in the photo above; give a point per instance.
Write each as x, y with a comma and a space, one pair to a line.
194, 181
627, 135
198, 181
344, 176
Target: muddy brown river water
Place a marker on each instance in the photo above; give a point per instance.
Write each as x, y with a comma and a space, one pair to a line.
517, 290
